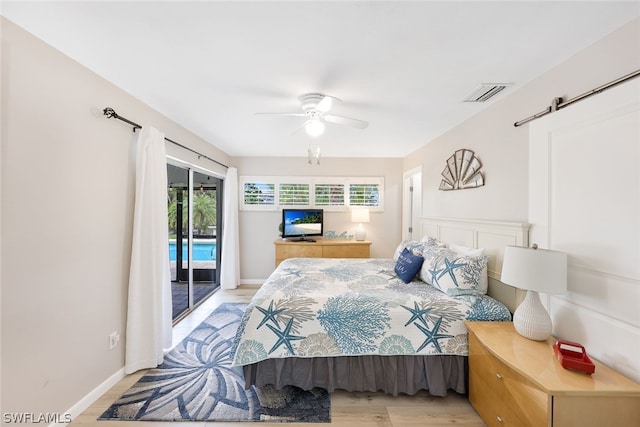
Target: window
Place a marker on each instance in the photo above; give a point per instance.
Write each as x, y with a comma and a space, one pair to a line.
258, 194
293, 195
330, 193
367, 195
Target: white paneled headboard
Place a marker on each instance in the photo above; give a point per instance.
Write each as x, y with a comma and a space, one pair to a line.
491, 235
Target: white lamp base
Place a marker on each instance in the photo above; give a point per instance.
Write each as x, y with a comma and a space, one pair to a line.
360, 235
531, 320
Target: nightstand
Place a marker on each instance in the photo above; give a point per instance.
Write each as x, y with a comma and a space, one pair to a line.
514, 381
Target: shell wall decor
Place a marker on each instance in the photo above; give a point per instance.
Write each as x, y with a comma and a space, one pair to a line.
462, 171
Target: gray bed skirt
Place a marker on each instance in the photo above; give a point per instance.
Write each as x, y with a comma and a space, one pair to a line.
391, 374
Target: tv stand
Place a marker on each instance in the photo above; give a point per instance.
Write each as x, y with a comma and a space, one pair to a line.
302, 239
321, 248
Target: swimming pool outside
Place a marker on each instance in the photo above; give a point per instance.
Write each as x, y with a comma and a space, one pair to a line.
203, 250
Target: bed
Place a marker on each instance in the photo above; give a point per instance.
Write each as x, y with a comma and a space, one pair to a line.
369, 325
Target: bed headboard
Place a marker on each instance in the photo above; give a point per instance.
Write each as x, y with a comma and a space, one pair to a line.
491, 235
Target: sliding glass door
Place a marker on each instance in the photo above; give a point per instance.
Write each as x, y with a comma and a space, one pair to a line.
194, 212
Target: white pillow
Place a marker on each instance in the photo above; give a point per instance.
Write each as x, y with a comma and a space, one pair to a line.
466, 251
414, 246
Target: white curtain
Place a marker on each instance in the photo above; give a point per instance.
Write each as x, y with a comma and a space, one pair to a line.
230, 263
149, 303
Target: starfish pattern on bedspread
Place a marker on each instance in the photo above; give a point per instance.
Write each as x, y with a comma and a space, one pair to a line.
284, 337
293, 272
432, 335
269, 314
416, 313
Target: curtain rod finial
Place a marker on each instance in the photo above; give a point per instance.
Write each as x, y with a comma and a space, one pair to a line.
110, 112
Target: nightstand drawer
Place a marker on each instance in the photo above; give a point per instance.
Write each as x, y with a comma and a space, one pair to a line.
502, 396
523, 401
485, 366
483, 398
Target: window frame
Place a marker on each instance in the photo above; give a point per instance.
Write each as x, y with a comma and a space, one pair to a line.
276, 181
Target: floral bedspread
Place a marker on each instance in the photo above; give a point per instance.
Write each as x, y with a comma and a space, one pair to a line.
311, 307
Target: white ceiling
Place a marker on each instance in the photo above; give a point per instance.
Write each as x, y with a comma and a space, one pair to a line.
403, 66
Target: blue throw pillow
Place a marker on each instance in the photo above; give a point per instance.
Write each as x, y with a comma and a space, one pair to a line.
408, 265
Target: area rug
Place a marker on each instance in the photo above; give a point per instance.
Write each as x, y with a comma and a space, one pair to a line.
197, 383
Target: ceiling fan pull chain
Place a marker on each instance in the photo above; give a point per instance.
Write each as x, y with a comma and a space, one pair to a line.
313, 156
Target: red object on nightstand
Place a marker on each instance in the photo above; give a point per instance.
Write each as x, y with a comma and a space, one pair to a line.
573, 356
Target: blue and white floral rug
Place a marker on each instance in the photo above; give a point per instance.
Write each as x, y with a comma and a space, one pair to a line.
197, 383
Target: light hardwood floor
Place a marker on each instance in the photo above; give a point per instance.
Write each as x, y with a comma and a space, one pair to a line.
348, 409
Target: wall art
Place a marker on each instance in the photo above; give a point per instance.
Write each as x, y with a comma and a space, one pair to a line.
462, 170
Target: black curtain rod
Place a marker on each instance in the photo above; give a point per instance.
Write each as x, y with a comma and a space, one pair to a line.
111, 113
559, 103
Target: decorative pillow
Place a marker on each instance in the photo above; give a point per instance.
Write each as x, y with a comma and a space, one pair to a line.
413, 245
408, 265
453, 273
429, 253
467, 251
431, 241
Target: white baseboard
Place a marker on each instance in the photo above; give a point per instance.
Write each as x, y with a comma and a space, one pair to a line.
94, 395
252, 283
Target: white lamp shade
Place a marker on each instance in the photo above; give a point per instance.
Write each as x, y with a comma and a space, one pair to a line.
536, 270
540, 270
360, 215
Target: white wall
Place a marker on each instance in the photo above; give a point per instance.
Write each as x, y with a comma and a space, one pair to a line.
258, 230
67, 203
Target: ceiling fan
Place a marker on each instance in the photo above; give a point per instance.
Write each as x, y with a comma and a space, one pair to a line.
315, 107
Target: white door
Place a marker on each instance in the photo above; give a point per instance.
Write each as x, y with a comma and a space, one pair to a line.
584, 199
411, 203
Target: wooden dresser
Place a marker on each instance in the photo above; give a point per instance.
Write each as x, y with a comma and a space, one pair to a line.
321, 248
514, 381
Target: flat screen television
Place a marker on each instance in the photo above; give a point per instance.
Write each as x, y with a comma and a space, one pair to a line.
300, 224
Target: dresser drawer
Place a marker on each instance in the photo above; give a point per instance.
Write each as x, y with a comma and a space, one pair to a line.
321, 248
344, 251
298, 251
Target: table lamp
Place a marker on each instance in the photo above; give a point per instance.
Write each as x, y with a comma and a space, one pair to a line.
360, 215
536, 270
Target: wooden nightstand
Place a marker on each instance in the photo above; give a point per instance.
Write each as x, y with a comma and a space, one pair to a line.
514, 381
321, 248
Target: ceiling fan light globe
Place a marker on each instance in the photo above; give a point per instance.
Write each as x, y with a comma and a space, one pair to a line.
314, 128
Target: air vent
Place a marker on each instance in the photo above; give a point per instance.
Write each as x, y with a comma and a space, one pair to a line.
485, 92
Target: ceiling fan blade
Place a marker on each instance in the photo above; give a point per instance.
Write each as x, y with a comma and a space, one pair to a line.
326, 103
341, 120
285, 114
